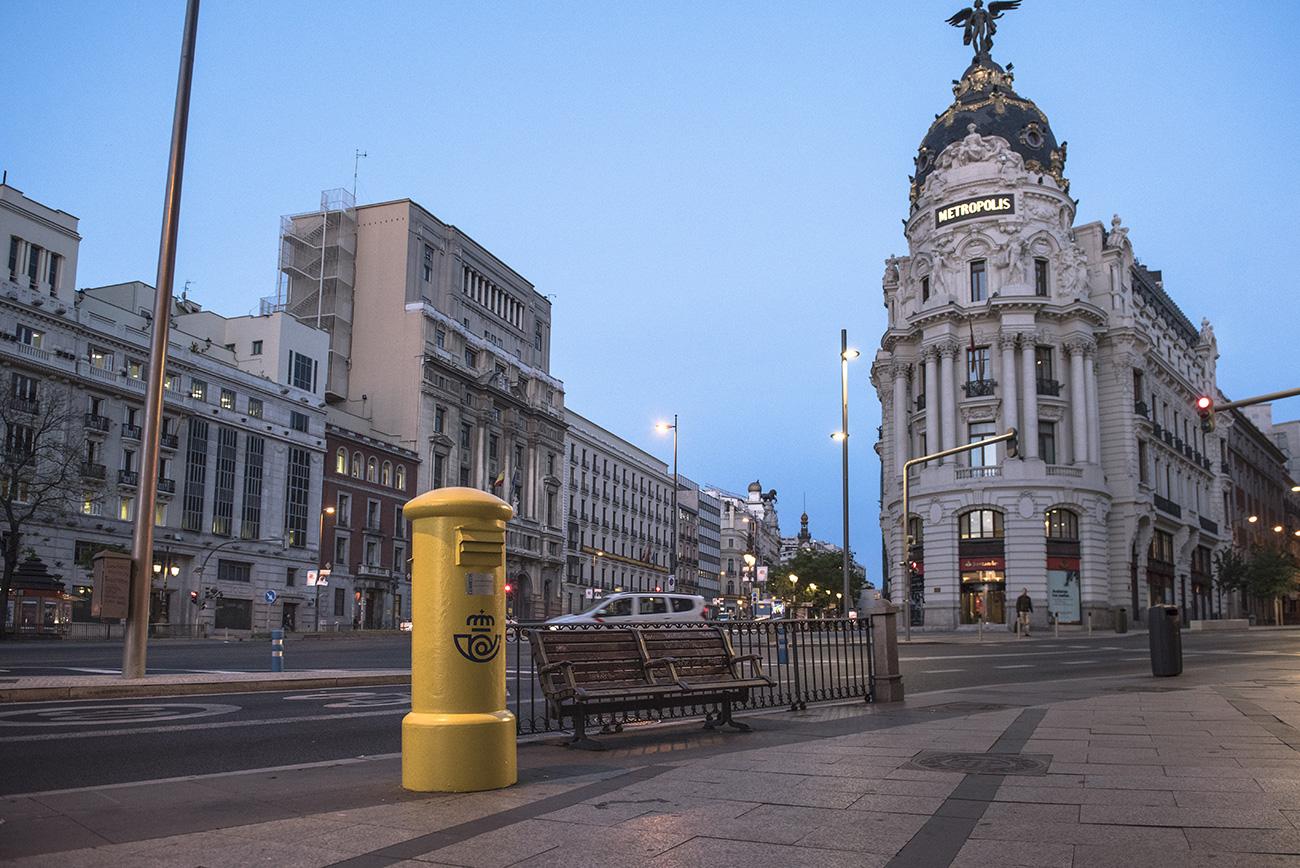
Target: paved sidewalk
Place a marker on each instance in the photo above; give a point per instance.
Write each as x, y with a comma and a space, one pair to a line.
1198, 770
39, 688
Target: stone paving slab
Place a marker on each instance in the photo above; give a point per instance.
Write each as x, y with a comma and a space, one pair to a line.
825, 788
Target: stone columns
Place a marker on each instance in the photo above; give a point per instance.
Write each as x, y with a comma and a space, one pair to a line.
1029, 386
901, 408
1094, 412
932, 402
1010, 406
1078, 403
948, 394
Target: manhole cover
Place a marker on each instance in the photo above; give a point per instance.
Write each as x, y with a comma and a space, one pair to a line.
981, 763
966, 707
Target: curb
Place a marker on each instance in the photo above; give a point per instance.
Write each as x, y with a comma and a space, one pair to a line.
191, 688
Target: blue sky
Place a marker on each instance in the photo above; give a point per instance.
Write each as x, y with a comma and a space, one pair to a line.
707, 190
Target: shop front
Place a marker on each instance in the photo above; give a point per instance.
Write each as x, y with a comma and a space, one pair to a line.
983, 590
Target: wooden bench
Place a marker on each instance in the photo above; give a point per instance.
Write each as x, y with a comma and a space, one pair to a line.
606, 670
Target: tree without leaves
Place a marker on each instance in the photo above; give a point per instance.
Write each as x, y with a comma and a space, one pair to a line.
40, 468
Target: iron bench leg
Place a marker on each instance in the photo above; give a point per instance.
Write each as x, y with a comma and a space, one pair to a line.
724, 719
580, 739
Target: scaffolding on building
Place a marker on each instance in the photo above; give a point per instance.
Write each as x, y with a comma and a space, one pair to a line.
317, 276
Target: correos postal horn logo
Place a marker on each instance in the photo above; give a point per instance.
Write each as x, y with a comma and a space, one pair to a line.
478, 645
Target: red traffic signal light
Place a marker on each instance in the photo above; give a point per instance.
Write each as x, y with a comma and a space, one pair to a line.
194, 597
1205, 409
509, 587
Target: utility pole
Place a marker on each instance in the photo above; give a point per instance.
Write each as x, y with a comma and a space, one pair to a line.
137, 623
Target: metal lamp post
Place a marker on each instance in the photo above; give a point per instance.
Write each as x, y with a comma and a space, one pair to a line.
842, 435
663, 428
320, 559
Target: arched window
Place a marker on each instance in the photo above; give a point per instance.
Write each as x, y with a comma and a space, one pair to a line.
386, 473
980, 524
356, 465
341, 461
1061, 524
400, 481
372, 470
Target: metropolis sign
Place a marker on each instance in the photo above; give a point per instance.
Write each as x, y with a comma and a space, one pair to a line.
968, 209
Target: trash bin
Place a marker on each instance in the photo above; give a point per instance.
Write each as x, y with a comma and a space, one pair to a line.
1164, 633
1121, 621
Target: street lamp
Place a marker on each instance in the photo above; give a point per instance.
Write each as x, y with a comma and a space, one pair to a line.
320, 557
663, 428
1253, 519
842, 435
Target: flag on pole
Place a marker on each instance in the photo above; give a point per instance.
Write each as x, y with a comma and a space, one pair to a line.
501, 477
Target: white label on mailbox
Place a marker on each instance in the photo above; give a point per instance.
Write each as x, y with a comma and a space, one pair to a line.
480, 584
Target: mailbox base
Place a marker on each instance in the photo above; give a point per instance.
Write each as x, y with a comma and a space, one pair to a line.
458, 753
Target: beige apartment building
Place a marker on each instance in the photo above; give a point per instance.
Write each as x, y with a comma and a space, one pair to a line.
440, 345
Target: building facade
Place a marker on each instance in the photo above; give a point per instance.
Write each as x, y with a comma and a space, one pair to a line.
710, 512
443, 345
1005, 314
619, 508
241, 460
750, 539
368, 480
688, 536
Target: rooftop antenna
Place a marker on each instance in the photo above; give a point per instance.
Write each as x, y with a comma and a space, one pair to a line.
185, 290
356, 161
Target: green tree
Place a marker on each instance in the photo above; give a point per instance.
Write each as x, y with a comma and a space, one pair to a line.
1231, 569
1272, 573
823, 569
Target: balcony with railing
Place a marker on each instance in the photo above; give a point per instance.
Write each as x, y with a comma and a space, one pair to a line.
96, 424
128, 477
978, 472
169, 441
979, 388
1209, 526
1140, 407
92, 470
1168, 507
1064, 470
1049, 387
130, 432
166, 486
23, 405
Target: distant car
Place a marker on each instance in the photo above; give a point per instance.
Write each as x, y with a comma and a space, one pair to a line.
405, 626
630, 608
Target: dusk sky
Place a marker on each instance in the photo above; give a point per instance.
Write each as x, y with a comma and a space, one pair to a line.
707, 191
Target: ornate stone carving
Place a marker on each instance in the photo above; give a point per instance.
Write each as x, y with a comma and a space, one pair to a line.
949, 349
1012, 262
1007, 342
975, 148
1118, 234
891, 271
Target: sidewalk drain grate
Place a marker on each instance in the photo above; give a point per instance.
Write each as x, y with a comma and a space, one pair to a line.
980, 763
966, 707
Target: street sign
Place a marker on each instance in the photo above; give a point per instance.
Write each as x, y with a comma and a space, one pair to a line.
588, 593
671, 584
317, 578
270, 596
760, 574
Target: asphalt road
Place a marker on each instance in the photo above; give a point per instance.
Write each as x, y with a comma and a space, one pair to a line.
57, 745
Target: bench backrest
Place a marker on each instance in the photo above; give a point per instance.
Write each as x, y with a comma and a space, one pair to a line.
699, 651
599, 655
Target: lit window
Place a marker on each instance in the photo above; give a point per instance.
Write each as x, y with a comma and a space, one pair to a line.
980, 524
341, 461
386, 473
400, 479
1061, 524
134, 369
255, 408
30, 336
372, 470
198, 389
227, 399
126, 509
101, 359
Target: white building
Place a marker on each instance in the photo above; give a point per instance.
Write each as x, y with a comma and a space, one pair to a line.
619, 515
240, 473
1006, 313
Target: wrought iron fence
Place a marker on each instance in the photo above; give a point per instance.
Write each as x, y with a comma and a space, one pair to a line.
807, 661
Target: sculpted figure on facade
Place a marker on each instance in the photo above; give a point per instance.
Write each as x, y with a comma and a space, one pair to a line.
1074, 272
891, 271
1118, 234
1012, 262
974, 148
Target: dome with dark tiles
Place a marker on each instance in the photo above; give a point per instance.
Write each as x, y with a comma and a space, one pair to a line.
986, 98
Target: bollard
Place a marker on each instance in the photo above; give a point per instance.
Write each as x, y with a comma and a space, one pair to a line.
981, 629
458, 736
277, 650
1056, 625
1090, 622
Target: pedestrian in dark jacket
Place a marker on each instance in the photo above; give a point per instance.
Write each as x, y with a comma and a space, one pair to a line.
1024, 606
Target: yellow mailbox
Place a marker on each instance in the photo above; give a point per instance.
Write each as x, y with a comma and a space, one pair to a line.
458, 736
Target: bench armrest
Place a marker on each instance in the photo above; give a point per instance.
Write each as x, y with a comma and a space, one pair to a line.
743, 657
752, 659
668, 663
564, 666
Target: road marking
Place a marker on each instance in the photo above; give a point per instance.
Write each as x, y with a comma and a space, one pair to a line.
79, 715
228, 724
94, 671
1007, 655
939, 671
1077, 662
1016, 666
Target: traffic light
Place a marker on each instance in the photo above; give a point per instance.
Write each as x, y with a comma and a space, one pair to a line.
194, 598
509, 587
1205, 409
1013, 445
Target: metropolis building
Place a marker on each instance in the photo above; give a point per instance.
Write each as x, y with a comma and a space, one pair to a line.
1006, 313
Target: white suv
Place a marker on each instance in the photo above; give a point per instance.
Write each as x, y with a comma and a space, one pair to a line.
631, 608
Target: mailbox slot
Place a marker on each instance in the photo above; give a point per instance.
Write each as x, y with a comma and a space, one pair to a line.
480, 548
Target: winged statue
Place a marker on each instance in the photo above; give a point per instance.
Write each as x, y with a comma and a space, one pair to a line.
980, 23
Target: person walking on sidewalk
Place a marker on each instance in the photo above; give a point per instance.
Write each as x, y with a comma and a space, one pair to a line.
1024, 605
